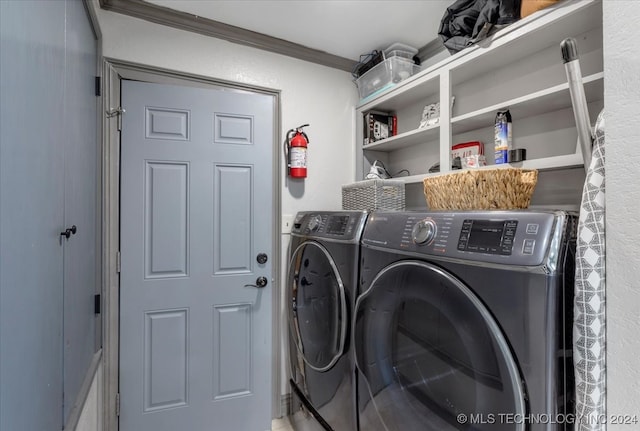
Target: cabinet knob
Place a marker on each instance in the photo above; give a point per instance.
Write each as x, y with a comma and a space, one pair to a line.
69, 231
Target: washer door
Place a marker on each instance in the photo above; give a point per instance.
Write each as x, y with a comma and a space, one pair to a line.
431, 357
317, 306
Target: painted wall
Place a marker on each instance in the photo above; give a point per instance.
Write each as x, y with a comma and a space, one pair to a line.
622, 110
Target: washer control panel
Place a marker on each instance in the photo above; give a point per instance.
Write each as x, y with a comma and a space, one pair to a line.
315, 222
424, 232
342, 225
513, 237
488, 236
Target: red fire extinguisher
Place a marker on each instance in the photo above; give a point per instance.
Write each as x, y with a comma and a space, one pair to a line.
296, 152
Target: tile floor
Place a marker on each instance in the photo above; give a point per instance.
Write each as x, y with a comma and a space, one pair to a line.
281, 425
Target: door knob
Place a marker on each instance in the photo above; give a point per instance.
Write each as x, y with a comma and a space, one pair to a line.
261, 281
262, 258
69, 231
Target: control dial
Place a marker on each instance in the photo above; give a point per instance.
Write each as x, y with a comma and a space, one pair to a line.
314, 223
424, 232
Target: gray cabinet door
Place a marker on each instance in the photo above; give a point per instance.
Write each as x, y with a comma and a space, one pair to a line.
31, 214
81, 197
196, 210
48, 182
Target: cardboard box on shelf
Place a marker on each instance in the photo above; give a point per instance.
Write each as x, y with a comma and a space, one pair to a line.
465, 149
379, 125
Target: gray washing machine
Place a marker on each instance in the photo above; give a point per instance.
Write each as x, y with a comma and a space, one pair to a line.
321, 291
464, 321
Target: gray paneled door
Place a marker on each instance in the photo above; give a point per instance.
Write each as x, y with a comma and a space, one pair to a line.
32, 64
196, 210
81, 272
48, 182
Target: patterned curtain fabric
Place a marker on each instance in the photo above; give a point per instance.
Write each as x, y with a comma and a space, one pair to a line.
589, 349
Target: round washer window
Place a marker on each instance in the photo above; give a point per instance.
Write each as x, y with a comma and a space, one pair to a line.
429, 352
317, 306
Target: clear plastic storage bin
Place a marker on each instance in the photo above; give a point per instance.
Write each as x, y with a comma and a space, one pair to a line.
385, 75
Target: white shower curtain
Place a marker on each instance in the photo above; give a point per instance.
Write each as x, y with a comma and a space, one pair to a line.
589, 349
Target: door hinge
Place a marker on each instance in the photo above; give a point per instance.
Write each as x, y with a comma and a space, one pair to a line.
118, 404
97, 306
98, 86
118, 263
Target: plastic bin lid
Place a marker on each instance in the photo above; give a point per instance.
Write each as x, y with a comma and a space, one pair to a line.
401, 47
399, 53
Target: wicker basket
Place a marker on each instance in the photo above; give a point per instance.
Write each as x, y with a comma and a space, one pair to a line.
481, 189
371, 195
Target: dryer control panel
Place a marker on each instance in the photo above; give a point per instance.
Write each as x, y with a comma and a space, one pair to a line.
512, 237
339, 225
488, 236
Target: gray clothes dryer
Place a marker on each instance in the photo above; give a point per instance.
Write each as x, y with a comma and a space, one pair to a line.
321, 290
464, 321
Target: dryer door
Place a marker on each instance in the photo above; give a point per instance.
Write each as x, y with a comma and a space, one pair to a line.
317, 306
431, 357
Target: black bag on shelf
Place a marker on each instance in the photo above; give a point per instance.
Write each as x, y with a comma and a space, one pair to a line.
468, 21
367, 61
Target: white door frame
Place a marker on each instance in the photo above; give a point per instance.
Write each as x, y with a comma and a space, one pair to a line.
113, 71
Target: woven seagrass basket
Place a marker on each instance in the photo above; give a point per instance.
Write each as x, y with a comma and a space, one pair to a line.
372, 195
481, 189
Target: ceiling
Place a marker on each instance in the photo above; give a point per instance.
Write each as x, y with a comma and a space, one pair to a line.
345, 28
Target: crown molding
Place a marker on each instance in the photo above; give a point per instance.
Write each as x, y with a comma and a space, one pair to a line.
208, 27
431, 49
